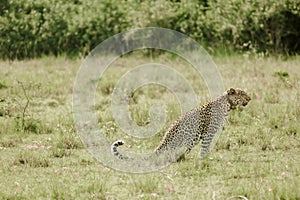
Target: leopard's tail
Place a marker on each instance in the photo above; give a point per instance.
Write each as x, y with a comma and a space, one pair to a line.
115, 151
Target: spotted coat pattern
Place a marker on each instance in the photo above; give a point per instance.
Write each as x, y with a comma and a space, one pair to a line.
200, 124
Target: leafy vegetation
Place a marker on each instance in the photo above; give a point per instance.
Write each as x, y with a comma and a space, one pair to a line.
41, 27
256, 157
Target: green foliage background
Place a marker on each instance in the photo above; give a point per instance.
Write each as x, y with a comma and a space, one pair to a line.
32, 28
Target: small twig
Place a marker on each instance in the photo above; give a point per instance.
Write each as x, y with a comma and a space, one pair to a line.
26, 105
214, 195
167, 175
240, 197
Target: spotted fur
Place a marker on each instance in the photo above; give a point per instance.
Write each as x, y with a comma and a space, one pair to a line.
200, 124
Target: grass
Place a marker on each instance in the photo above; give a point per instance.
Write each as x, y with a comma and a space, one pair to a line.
257, 155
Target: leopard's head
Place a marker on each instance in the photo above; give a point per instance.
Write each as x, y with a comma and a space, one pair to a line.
237, 97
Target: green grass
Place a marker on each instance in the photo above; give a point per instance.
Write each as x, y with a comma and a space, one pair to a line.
257, 156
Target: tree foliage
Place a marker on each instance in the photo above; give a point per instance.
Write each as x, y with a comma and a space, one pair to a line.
32, 28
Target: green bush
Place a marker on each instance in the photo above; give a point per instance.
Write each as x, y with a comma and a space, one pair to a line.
34, 28
261, 25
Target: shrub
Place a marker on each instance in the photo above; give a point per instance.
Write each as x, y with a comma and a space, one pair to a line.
34, 28
262, 25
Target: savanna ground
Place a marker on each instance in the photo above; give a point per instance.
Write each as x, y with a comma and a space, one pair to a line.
257, 155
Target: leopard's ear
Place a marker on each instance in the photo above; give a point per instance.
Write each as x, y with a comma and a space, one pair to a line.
231, 91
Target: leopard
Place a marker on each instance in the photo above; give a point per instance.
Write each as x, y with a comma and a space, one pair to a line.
201, 124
